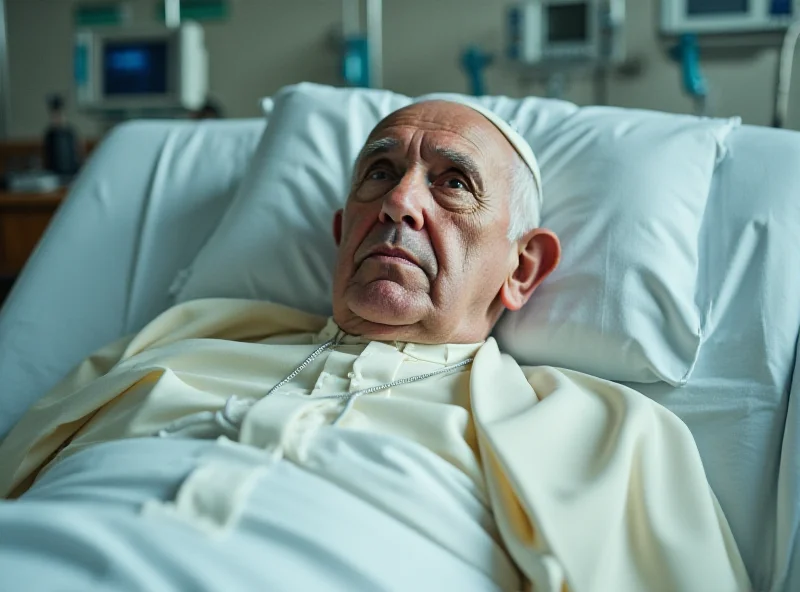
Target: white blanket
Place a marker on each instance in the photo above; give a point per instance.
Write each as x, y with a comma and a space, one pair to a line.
97, 522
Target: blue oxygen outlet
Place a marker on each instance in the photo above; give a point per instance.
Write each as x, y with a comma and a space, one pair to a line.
474, 61
687, 52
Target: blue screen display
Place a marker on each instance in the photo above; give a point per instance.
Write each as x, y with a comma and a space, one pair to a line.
701, 7
781, 7
135, 68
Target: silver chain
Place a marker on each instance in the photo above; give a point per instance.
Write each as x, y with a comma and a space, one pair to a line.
351, 397
330, 343
224, 419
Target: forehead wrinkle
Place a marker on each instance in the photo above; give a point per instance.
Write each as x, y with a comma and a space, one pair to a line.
479, 148
458, 157
481, 134
476, 134
449, 116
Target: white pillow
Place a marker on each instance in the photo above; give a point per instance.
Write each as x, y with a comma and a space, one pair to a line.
625, 191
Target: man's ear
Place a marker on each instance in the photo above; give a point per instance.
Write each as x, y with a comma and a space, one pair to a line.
539, 254
337, 227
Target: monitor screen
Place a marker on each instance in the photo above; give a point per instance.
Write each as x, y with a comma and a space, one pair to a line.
701, 7
567, 22
135, 68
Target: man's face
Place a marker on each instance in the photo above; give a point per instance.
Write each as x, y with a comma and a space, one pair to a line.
423, 246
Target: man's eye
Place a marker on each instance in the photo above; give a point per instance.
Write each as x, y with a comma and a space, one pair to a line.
455, 183
378, 175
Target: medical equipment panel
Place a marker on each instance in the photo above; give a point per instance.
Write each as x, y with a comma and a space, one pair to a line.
141, 69
727, 16
567, 30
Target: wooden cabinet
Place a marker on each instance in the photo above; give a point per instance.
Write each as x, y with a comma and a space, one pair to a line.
24, 216
23, 220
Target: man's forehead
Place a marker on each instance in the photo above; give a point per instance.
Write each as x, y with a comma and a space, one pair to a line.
444, 114
451, 123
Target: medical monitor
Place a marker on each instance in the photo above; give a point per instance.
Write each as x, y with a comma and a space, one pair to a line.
553, 30
567, 23
727, 16
141, 69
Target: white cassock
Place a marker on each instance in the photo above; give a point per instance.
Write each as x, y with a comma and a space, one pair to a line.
489, 477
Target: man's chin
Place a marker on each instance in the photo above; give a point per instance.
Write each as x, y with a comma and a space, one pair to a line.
386, 304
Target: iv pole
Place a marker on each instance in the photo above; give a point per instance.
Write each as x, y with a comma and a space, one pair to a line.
363, 42
375, 42
4, 79
172, 13
785, 66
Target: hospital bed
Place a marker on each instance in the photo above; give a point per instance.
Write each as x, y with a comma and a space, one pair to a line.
154, 192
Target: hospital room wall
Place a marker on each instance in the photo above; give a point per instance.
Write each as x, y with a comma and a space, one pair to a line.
265, 45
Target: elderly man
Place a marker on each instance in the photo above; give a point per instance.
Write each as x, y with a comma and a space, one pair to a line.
241, 445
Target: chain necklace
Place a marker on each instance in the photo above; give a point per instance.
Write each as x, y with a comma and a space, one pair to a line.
229, 419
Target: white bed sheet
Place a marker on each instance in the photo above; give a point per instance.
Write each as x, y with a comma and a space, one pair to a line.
105, 266
139, 211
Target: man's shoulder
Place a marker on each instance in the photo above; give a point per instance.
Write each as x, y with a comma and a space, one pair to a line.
224, 318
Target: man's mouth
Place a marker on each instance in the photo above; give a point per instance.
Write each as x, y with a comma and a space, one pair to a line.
393, 255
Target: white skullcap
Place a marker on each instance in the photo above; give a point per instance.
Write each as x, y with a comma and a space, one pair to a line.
514, 137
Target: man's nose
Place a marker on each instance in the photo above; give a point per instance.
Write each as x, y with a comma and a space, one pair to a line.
405, 203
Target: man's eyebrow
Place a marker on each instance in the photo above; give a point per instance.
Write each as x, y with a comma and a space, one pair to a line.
462, 160
379, 146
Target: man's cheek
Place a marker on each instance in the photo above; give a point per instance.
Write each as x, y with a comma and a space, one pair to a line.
350, 229
356, 232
